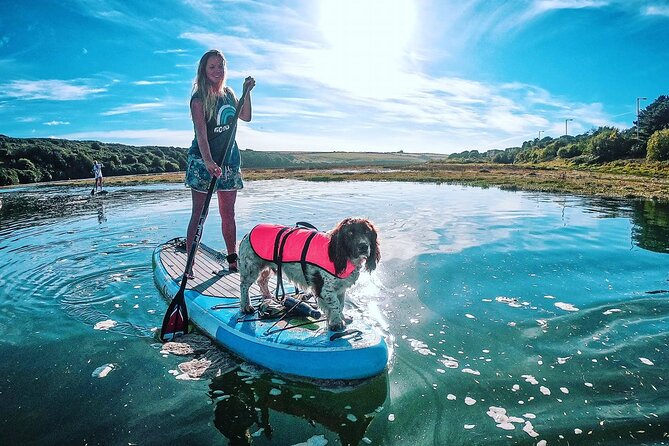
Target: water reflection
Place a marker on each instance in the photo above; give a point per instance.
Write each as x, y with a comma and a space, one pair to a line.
246, 404
650, 228
102, 218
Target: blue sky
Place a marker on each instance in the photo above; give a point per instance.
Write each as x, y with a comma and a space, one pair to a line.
419, 76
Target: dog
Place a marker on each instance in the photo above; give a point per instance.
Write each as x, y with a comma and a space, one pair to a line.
327, 263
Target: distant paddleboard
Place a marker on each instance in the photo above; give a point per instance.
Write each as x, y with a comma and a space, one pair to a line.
298, 346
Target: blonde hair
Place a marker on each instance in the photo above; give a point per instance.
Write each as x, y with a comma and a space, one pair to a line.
204, 89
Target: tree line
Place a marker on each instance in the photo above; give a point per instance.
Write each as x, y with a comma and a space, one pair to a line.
647, 139
31, 160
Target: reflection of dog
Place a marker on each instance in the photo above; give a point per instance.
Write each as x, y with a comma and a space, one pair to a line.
327, 263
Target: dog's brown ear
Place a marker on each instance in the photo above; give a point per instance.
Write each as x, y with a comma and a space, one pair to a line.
375, 252
337, 249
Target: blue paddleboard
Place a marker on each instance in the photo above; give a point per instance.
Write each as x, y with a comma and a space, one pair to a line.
298, 346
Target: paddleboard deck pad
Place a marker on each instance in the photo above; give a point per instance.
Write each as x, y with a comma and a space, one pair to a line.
299, 346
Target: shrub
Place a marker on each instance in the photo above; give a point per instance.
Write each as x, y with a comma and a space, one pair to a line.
569, 151
658, 146
8, 177
607, 144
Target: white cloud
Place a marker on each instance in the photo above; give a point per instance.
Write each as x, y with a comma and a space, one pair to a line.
660, 10
154, 82
57, 123
49, 89
132, 108
142, 137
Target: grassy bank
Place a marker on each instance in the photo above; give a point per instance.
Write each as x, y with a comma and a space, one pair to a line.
626, 180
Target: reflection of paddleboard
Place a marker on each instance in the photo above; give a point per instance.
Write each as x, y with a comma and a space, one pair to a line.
245, 402
309, 350
100, 192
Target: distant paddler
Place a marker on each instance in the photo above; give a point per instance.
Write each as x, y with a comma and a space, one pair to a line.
97, 172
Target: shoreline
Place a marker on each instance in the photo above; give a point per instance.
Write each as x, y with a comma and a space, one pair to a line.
551, 179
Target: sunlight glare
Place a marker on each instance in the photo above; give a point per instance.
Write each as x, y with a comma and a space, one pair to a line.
368, 44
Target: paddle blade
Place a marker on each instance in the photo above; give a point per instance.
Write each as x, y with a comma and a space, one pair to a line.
175, 322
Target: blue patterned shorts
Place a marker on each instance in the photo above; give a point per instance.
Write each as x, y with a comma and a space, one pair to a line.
198, 177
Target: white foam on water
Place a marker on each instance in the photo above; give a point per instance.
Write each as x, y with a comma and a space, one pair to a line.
548, 296
564, 390
274, 392
470, 316
530, 379
103, 371
451, 397
563, 360
366, 440
352, 417
449, 362
471, 371
421, 347
529, 429
646, 361
545, 390
391, 417
316, 440
513, 302
565, 306
612, 310
470, 401
469, 426
105, 325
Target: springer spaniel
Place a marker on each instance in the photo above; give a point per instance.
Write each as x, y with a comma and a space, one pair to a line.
328, 263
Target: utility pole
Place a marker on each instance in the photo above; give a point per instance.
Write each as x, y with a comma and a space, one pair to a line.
566, 131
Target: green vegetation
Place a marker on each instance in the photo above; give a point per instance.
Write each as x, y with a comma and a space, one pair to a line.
658, 146
39, 159
597, 146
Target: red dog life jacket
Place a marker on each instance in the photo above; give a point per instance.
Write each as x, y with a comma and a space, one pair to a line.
284, 244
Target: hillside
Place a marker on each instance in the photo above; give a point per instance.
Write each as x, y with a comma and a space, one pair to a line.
31, 160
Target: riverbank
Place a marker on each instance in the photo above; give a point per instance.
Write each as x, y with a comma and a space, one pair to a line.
613, 181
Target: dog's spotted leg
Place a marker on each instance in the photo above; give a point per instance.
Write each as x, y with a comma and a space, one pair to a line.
263, 283
244, 301
333, 308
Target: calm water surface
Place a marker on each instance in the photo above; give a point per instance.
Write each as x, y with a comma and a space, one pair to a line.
515, 318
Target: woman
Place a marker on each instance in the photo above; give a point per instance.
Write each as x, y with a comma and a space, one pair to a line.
212, 106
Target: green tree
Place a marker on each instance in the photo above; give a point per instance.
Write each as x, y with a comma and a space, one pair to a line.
607, 144
658, 146
569, 151
653, 118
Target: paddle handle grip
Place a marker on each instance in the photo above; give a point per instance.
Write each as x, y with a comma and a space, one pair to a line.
300, 308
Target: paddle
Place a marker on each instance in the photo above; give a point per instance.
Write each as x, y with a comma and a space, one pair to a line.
175, 322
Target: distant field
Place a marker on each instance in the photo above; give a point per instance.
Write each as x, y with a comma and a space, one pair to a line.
363, 158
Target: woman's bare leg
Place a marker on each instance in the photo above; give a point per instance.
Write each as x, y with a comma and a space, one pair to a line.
226, 207
198, 199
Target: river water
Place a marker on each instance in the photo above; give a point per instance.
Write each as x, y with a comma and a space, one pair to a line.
514, 318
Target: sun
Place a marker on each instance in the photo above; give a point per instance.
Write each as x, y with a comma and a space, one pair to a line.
367, 42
